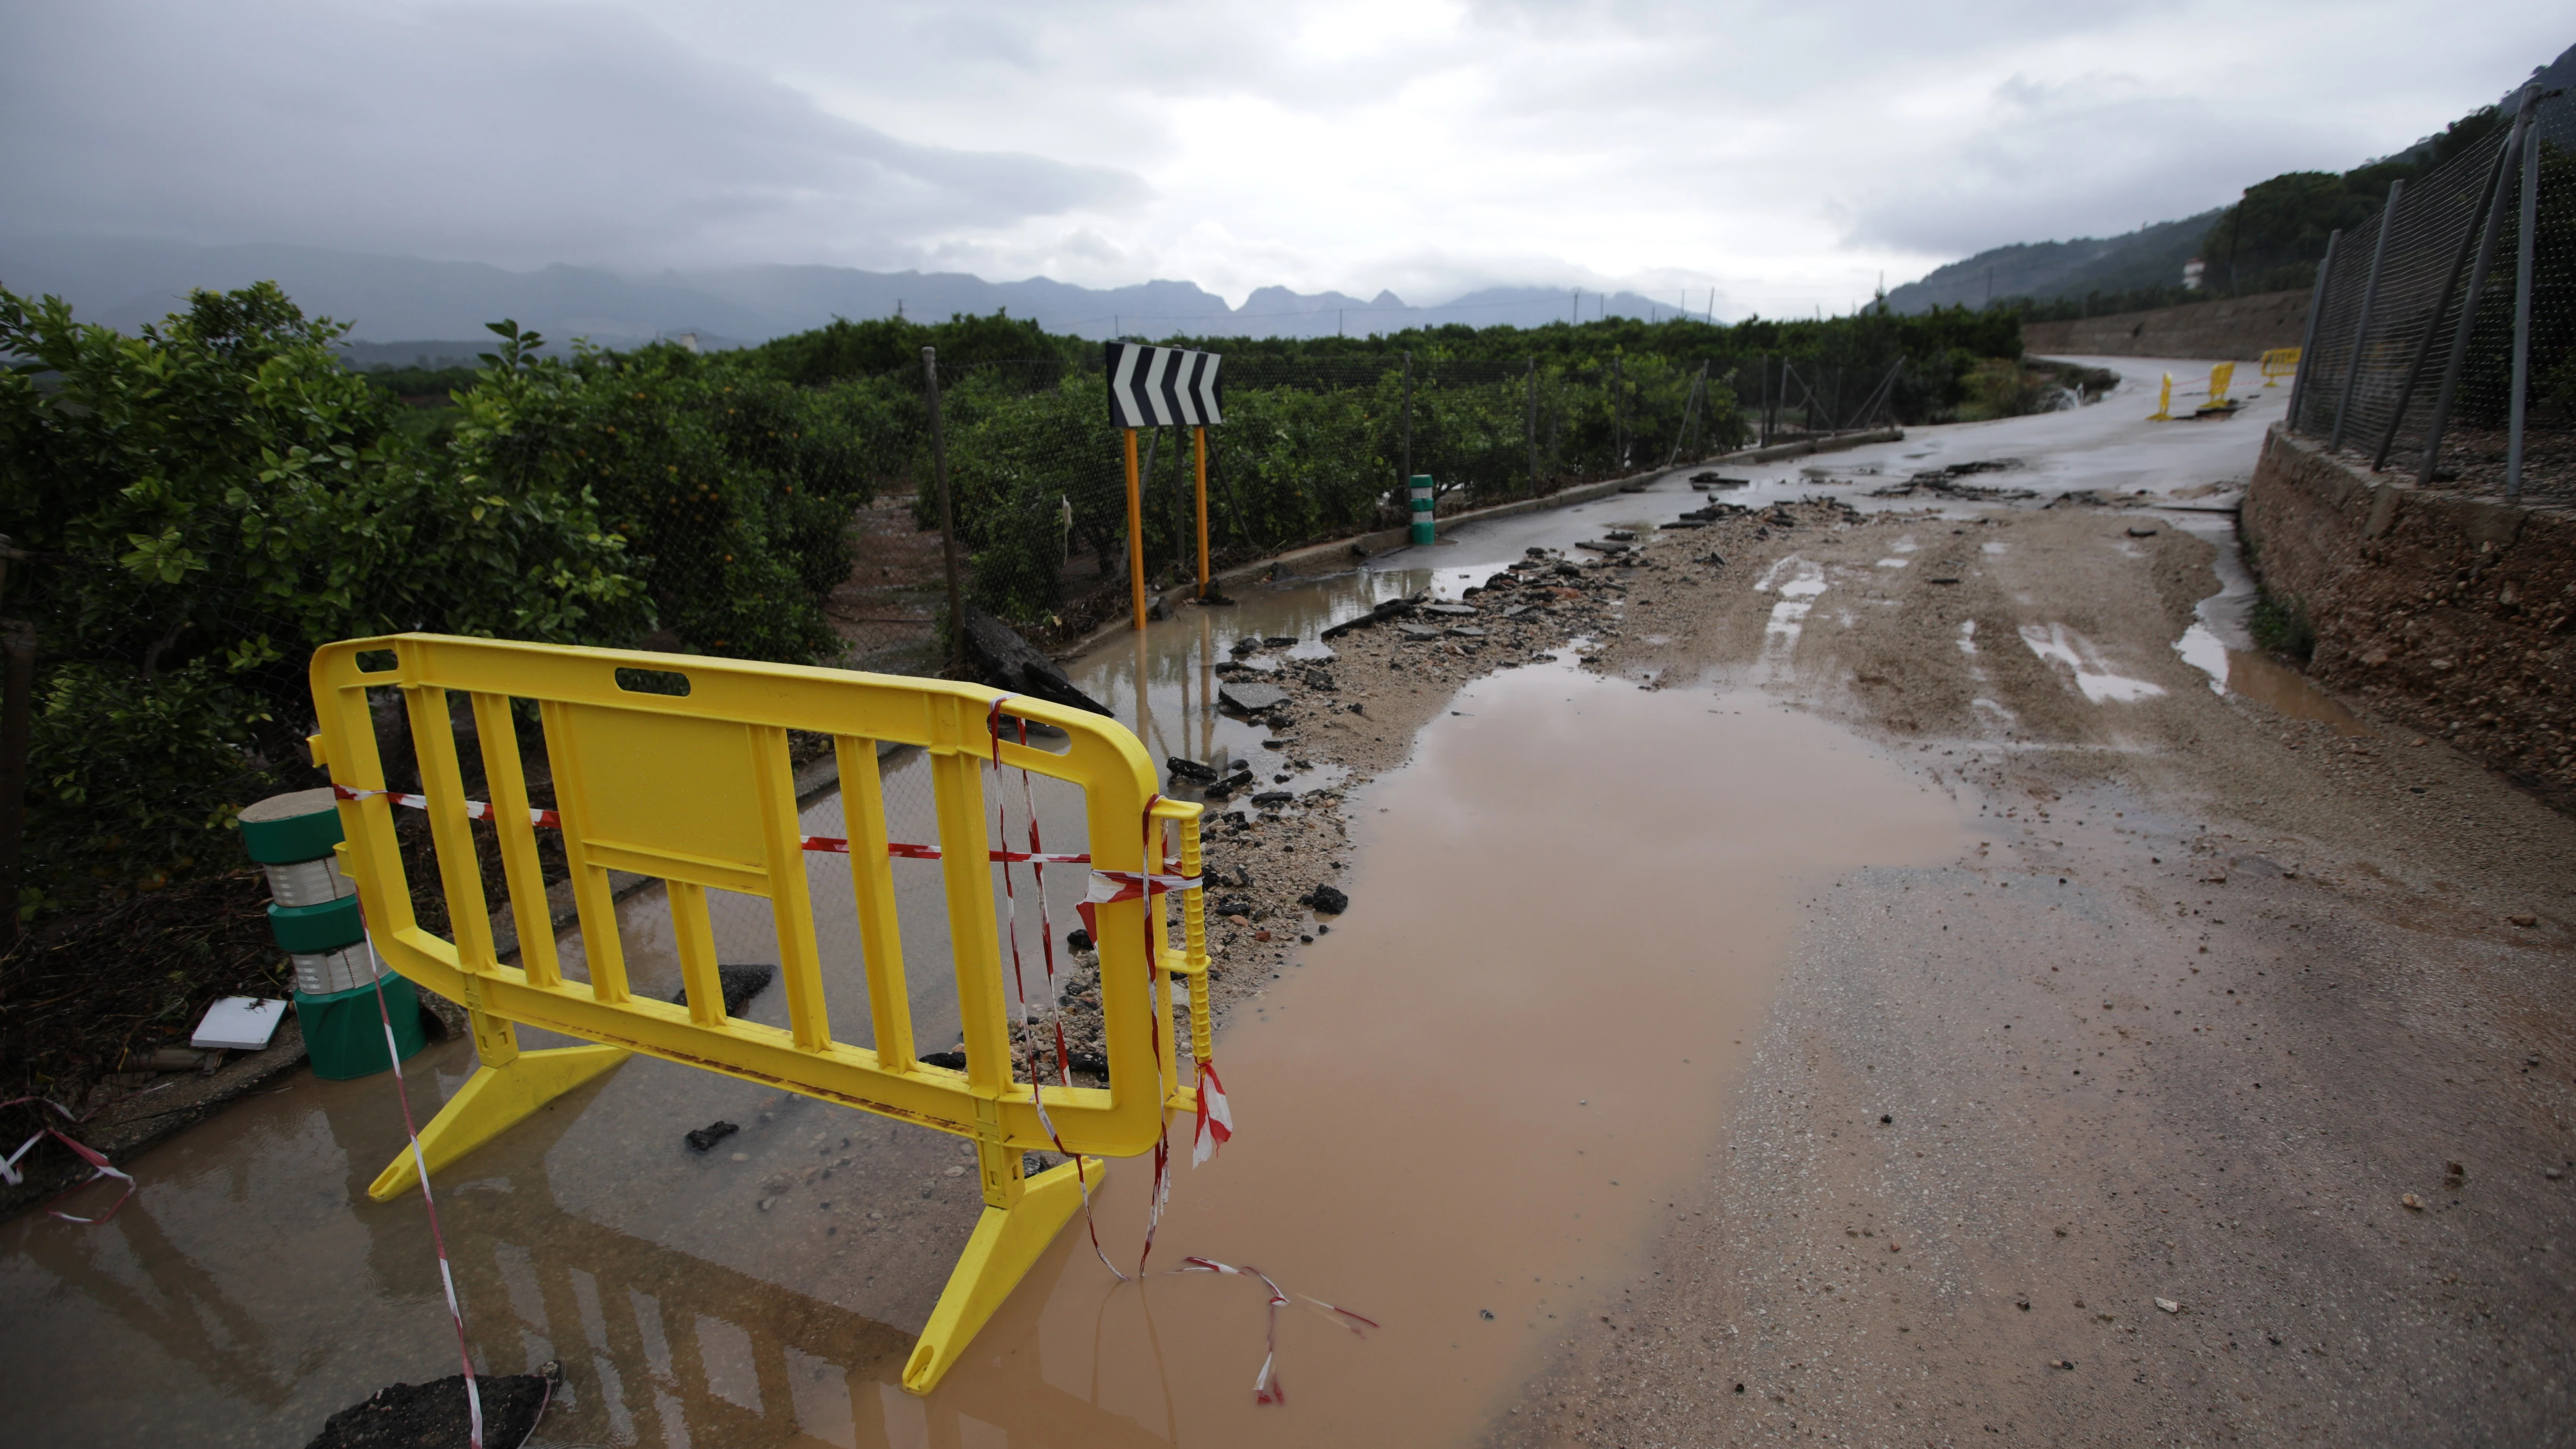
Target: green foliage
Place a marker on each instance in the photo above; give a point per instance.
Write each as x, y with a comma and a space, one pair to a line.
1872, 337
891, 345
1302, 463
2280, 624
1014, 466
729, 488
210, 499
2100, 304
137, 779
431, 385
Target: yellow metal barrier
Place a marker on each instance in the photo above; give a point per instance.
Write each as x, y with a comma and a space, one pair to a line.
2278, 363
2219, 377
696, 790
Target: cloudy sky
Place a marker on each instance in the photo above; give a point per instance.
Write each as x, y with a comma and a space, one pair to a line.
1785, 155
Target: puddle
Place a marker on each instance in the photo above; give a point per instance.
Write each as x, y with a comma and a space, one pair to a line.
2220, 644
2056, 645
2203, 650
1492, 1130
2267, 682
1460, 1105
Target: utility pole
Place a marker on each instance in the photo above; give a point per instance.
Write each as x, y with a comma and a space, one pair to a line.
2236, 233
947, 516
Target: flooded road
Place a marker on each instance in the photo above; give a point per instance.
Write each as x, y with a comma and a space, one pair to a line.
1898, 958
1462, 1101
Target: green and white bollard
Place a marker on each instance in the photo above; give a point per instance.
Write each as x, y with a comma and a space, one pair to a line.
1422, 530
313, 912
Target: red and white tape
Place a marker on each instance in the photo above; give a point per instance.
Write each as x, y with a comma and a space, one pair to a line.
420, 1164
1038, 861
1266, 1388
99, 1166
824, 844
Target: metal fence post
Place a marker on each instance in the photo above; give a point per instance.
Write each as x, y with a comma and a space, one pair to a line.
2369, 304
1533, 424
2433, 325
947, 511
2460, 336
2522, 296
1408, 419
2308, 335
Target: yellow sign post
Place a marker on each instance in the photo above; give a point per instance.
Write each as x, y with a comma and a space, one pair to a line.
1135, 531
1198, 440
695, 789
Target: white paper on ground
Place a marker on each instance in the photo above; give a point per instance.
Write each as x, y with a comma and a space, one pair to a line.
239, 1023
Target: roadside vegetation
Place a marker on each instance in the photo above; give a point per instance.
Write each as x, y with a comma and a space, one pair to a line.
205, 501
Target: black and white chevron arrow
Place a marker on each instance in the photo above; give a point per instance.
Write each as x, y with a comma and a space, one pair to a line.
1152, 387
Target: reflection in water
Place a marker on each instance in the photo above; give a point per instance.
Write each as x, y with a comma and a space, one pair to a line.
2260, 678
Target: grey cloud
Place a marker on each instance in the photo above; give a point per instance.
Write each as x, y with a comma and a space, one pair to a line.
517, 134
2092, 157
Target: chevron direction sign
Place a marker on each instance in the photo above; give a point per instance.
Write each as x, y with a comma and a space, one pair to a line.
1153, 387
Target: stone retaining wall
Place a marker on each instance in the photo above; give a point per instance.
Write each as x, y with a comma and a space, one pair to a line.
2237, 328
2454, 614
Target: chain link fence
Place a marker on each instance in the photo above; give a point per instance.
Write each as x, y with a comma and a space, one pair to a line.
2410, 360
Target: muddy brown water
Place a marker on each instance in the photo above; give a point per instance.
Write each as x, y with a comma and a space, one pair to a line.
1476, 1095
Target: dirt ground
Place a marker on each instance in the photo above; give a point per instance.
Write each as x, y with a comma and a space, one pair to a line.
2223, 1095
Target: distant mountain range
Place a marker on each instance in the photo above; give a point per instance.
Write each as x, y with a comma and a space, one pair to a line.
407, 309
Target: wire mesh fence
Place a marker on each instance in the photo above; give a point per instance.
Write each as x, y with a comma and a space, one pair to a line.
2410, 362
1316, 448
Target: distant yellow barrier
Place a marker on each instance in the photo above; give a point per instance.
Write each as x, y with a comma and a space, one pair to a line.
2279, 363
2164, 402
2219, 377
696, 789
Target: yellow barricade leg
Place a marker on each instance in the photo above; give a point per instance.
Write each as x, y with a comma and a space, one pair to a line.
508, 1087
1007, 1242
